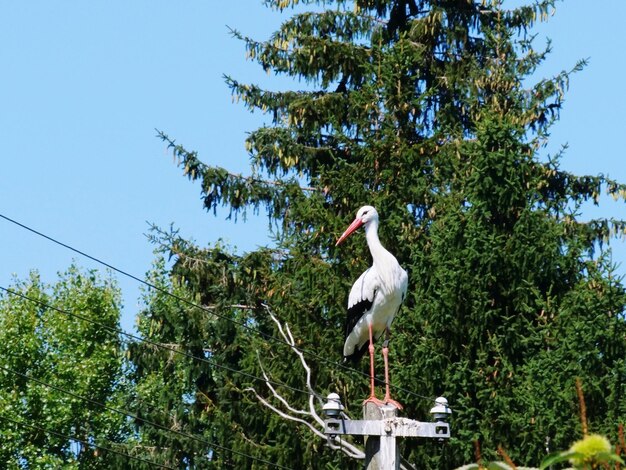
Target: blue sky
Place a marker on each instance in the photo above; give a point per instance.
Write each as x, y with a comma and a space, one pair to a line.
84, 85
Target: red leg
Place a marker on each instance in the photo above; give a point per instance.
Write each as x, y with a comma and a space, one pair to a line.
371, 350
388, 400
372, 398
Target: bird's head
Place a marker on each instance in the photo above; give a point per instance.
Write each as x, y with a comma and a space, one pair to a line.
364, 216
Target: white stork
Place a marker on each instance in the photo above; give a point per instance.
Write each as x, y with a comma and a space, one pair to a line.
374, 300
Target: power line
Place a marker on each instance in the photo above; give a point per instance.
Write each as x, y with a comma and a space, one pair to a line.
150, 342
134, 416
90, 444
264, 336
142, 281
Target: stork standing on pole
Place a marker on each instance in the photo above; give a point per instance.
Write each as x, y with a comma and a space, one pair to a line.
374, 300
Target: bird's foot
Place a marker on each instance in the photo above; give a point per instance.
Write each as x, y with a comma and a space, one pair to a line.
390, 401
374, 400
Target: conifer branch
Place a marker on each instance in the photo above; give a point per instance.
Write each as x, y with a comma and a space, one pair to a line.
583, 406
193, 167
503, 453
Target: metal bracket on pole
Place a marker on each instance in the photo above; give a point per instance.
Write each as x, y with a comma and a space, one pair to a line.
397, 427
381, 427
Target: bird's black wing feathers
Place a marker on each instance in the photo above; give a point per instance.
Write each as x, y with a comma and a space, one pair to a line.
356, 312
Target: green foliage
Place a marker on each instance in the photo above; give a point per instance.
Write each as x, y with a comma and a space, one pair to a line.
491, 466
593, 451
429, 111
45, 353
169, 386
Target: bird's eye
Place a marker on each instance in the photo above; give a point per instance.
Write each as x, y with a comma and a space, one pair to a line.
365, 213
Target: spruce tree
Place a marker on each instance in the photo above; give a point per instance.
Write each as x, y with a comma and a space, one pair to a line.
431, 112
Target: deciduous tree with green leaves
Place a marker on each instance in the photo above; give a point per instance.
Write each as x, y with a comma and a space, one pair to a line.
49, 361
431, 111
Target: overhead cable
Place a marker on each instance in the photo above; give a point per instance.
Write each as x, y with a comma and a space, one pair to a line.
212, 311
128, 414
86, 443
150, 342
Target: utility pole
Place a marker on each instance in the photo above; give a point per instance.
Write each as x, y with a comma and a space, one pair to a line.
382, 427
381, 451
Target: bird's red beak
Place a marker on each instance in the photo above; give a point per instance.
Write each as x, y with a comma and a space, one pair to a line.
352, 228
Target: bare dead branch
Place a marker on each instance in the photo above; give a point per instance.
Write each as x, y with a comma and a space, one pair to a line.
310, 417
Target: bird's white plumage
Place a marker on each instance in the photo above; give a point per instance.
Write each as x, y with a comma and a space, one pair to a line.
378, 293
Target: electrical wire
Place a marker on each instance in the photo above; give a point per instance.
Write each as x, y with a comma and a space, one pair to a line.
211, 311
152, 343
158, 345
89, 444
144, 420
